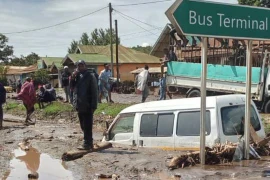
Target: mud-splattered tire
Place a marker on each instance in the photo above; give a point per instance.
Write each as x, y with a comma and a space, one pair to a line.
194, 93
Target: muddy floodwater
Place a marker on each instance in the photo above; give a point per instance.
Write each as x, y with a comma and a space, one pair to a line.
49, 139
32, 161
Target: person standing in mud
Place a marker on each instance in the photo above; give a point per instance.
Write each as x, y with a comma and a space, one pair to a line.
2, 101
19, 86
104, 83
28, 96
85, 101
65, 83
142, 83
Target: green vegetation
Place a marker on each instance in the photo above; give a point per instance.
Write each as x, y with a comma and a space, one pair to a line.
15, 107
110, 109
56, 108
11, 105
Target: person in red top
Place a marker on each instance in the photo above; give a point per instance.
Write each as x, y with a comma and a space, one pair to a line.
28, 96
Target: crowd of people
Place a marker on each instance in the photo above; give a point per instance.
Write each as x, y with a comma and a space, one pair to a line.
103, 83
84, 88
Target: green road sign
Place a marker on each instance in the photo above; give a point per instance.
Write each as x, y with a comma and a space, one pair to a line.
210, 19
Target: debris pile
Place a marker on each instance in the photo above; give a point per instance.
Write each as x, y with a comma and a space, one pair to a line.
216, 155
224, 153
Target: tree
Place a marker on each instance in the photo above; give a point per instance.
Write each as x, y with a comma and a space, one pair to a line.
24, 61
73, 46
3, 78
31, 59
250, 2
6, 51
146, 49
101, 37
84, 39
41, 76
98, 37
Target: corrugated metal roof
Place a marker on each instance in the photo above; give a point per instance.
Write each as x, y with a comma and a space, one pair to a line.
128, 55
152, 70
50, 60
89, 58
90, 49
21, 69
125, 55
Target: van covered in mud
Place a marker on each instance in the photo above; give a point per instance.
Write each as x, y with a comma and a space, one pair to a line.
175, 124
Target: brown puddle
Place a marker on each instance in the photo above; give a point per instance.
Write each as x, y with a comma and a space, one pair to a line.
32, 161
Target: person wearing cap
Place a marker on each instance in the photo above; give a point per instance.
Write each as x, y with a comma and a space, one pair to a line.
85, 101
104, 84
65, 82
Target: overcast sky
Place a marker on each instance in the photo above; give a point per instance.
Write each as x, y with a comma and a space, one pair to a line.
19, 15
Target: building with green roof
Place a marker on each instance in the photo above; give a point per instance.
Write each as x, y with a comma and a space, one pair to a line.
54, 67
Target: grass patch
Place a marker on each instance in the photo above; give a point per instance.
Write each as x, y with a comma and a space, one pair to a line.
56, 108
110, 109
11, 105
15, 107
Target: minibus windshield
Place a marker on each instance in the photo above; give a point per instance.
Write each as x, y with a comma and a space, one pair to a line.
232, 118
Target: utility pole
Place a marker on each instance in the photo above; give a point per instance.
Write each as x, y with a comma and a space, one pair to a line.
116, 54
111, 40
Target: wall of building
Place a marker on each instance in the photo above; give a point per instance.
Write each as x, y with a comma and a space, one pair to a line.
125, 69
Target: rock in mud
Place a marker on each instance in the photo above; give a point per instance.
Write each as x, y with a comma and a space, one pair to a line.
33, 176
9, 142
113, 176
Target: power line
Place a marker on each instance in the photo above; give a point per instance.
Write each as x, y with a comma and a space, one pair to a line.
138, 20
46, 27
124, 39
135, 4
137, 25
138, 32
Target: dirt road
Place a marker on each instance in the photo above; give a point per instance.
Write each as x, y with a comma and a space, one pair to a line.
50, 139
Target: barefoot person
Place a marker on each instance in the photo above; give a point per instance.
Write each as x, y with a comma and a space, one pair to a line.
85, 101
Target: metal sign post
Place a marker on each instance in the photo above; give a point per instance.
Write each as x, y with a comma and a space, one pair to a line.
217, 20
203, 99
248, 98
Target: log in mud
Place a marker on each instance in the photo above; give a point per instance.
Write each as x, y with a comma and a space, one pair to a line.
76, 154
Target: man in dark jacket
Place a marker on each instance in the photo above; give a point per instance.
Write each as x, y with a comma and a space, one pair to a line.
65, 82
85, 101
2, 101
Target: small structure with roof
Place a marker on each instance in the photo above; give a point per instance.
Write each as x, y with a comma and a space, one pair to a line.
14, 73
54, 67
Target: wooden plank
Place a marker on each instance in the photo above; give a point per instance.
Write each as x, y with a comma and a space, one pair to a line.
76, 154
254, 136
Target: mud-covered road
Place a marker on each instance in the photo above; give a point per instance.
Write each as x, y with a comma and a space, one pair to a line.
50, 139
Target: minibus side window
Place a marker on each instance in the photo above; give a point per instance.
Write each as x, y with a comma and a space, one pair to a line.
124, 124
157, 125
188, 123
232, 118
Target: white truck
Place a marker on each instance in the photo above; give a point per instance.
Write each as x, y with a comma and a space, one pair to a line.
222, 79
